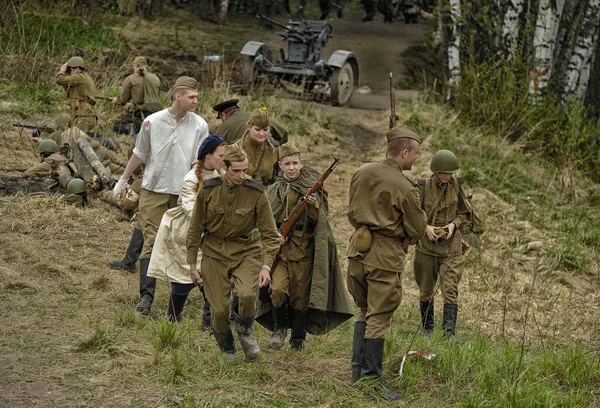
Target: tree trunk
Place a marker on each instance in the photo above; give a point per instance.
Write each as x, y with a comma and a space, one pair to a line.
223, 7
583, 51
586, 71
454, 44
510, 27
64, 175
95, 163
544, 42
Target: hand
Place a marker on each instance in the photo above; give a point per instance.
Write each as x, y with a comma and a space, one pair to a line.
195, 275
312, 199
35, 139
264, 278
119, 188
430, 231
450, 227
282, 239
63, 68
114, 100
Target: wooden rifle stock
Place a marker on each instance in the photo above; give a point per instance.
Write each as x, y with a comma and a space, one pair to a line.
288, 223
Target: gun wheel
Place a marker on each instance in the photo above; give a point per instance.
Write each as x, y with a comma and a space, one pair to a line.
342, 85
249, 76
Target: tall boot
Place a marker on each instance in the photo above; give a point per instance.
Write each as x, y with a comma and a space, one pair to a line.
136, 243
225, 342
175, 309
427, 317
245, 330
280, 318
372, 367
206, 315
147, 288
358, 349
449, 322
298, 330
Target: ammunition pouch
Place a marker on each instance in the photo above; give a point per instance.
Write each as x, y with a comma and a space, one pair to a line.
441, 234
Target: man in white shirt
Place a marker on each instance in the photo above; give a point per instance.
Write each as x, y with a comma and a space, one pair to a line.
168, 142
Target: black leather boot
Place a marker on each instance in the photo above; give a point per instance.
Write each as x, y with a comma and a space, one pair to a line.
225, 342
449, 322
372, 367
427, 317
136, 243
358, 349
147, 288
245, 330
175, 309
298, 330
206, 315
280, 318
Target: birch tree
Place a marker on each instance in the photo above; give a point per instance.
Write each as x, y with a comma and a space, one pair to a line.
223, 7
581, 59
454, 44
510, 26
544, 43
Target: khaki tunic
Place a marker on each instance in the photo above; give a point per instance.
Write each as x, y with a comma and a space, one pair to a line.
383, 199
442, 260
232, 251
261, 159
45, 168
234, 128
133, 94
293, 273
80, 91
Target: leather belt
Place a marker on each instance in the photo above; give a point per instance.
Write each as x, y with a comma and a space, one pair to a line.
379, 236
239, 240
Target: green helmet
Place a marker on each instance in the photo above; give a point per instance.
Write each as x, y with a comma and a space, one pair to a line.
444, 161
48, 146
76, 62
63, 121
76, 186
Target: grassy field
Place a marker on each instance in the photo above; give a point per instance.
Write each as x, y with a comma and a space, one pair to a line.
529, 317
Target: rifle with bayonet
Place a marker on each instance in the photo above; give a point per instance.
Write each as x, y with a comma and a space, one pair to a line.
288, 223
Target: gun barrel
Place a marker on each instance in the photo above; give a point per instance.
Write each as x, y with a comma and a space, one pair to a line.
270, 20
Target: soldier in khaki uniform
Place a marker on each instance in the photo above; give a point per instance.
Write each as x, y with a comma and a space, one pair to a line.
235, 123
385, 210
50, 160
139, 97
80, 91
262, 155
228, 210
439, 252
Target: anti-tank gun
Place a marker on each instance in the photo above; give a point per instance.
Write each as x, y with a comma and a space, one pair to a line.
301, 69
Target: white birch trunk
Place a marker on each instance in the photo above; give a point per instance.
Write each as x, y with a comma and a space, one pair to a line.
544, 44
454, 44
583, 51
223, 8
510, 26
586, 72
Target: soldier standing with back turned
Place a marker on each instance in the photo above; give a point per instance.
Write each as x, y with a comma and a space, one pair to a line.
80, 89
384, 209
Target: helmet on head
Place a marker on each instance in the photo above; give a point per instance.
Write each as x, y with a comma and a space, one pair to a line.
48, 146
444, 161
63, 121
76, 186
75, 62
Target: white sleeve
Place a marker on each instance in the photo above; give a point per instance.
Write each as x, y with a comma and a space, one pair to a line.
188, 193
142, 142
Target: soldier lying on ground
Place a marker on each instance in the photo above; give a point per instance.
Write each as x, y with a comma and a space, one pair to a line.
50, 159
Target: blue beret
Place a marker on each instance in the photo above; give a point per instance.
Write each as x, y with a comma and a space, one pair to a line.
208, 145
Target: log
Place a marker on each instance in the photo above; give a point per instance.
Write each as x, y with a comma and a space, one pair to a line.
64, 175
91, 157
84, 170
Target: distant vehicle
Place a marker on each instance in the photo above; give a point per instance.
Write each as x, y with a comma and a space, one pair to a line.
302, 70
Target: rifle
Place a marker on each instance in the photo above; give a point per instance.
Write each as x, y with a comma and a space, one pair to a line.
290, 220
39, 128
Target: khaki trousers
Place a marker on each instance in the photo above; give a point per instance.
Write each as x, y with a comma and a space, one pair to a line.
377, 293
151, 208
292, 279
429, 268
220, 277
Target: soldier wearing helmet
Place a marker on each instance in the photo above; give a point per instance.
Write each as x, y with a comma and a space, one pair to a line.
50, 159
77, 192
80, 89
439, 253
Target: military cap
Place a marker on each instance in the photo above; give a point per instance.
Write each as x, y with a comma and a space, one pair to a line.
234, 153
221, 106
141, 61
76, 62
402, 132
287, 150
209, 144
259, 118
186, 81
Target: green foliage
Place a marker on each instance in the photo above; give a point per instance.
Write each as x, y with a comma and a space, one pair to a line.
101, 341
167, 335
